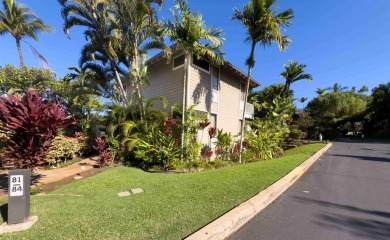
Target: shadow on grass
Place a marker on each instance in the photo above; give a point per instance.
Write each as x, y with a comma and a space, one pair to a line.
369, 225
4, 211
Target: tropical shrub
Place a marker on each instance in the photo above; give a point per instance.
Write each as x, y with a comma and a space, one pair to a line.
295, 134
104, 155
63, 148
224, 145
160, 148
32, 123
265, 141
193, 123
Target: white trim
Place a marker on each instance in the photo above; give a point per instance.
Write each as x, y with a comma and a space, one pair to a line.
187, 61
197, 67
219, 84
212, 141
180, 66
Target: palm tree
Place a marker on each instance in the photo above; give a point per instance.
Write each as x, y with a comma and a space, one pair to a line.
337, 88
302, 100
363, 89
135, 22
187, 31
321, 91
293, 73
263, 27
20, 22
96, 16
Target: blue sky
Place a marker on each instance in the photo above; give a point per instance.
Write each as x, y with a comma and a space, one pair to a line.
343, 41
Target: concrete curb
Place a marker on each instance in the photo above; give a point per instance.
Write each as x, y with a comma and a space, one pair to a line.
233, 220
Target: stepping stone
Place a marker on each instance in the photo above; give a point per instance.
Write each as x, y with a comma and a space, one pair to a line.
137, 190
124, 194
77, 177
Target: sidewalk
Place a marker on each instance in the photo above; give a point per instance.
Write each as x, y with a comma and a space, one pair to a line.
53, 177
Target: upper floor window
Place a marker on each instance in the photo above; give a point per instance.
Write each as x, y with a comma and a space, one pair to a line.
201, 63
178, 61
215, 84
242, 95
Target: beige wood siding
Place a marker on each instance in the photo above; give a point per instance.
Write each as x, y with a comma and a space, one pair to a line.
200, 89
229, 103
165, 82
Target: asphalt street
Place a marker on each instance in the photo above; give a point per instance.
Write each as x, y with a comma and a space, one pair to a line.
344, 195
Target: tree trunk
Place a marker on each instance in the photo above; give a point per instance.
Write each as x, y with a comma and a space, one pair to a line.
250, 65
119, 82
19, 51
137, 83
185, 103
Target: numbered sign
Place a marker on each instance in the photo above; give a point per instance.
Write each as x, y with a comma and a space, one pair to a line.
16, 185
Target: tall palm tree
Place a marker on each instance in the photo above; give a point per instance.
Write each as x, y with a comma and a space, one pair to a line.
187, 30
294, 72
363, 89
20, 22
337, 88
302, 100
135, 24
95, 15
321, 91
264, 26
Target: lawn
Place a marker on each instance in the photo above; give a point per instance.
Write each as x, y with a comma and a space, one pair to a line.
172, 206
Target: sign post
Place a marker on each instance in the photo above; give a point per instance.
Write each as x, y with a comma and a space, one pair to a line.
19, 196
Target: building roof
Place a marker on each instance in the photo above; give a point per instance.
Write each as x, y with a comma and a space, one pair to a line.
227, 66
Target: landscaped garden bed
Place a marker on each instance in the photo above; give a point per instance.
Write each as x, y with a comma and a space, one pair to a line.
172, 206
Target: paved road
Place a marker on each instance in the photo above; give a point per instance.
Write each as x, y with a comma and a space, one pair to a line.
344, 195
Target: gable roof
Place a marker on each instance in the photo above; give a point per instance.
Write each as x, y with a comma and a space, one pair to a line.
227, 66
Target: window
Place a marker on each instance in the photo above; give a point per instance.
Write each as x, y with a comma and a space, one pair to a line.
178, 61
215, 84
242, 95
201, 63
213, 120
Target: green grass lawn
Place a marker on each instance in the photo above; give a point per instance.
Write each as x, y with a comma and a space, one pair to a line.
172, 206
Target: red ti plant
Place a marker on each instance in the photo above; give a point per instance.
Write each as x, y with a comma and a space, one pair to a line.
209, 153
218, 151
212, 132
170, 121
32, 123
104, 155
203, 124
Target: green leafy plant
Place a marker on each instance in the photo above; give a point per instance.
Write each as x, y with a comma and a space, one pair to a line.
265, 141
193, 123
159, 149
63, 148
295, 134
224, 144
